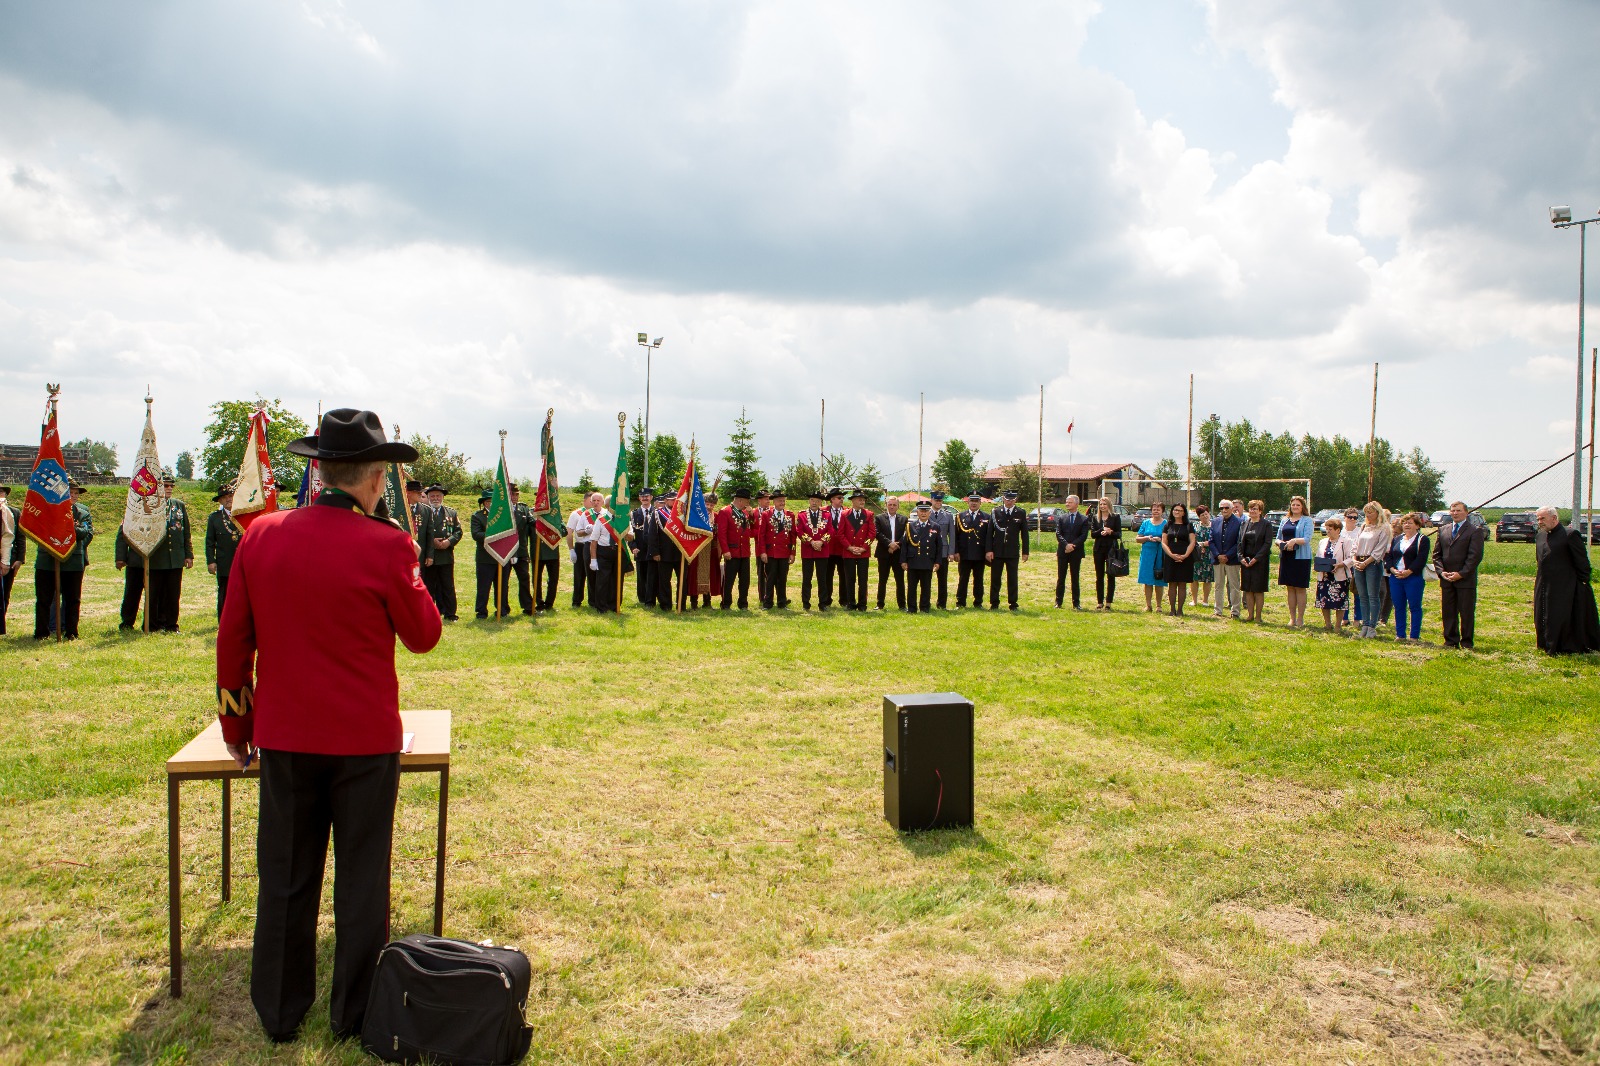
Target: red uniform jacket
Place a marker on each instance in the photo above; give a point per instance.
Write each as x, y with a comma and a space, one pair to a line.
847, 534
835, 545
807, 531
316, 598
775, 538
735, 534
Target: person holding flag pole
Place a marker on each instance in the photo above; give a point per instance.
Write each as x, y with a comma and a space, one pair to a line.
495, 530
689, 526
548, 524
61, 527
618, 519
144, 519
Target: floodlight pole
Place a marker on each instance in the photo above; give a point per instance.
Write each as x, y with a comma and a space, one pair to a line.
649, 349
1216, 424
1577, 418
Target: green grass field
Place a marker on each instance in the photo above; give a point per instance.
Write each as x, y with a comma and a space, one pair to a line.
1197, 841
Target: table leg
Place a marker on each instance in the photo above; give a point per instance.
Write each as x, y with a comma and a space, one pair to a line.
227, 840
438, 870
174, 892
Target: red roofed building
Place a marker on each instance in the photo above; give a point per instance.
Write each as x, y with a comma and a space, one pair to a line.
1126, 483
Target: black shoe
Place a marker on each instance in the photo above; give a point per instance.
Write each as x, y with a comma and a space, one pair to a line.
1014, 607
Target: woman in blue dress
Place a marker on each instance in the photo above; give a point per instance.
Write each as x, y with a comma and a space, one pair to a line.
1294, 559
1150, 554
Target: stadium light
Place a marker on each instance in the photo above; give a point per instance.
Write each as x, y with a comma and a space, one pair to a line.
649, 347
1561, 218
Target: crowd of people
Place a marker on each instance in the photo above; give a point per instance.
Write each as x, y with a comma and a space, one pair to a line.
1364, 570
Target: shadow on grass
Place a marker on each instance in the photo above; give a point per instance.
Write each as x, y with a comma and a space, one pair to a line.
931, 843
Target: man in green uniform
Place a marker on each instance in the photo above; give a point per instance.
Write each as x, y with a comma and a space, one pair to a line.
522, 515
222, 537
419, 510
439, 553
488, 566
72, 568
168, 561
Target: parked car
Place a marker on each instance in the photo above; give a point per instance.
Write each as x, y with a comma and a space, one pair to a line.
1515, 525
1327, 513
1275, 518
1438, 518
1140, 516
1582, 526
1043, 519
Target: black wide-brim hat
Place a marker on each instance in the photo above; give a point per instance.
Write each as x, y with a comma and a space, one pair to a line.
351, 436
223, 490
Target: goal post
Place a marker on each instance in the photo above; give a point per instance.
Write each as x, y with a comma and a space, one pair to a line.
1142, 492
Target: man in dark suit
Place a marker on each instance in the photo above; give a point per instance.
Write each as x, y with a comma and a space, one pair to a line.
664, 554
222, 537
522, 565
972, 544
920, 552
492, 576
1072, 531
1460, 552
642, 519
891, 532
944, 519
439, 553
1007, 549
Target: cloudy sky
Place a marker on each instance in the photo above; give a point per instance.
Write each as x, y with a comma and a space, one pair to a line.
460, 215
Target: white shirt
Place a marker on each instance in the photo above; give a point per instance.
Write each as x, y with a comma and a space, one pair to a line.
596, 532
8, 533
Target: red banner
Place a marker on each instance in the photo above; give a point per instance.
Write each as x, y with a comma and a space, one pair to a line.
47, 509
255, 492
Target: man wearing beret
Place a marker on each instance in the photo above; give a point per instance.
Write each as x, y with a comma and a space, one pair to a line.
306, 681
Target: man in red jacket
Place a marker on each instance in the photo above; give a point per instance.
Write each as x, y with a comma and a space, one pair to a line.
776, 539
816, 553
306, 680
854, 535
736, 529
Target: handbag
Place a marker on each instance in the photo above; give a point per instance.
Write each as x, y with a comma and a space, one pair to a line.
1323, 564
448, 1001
1117, 561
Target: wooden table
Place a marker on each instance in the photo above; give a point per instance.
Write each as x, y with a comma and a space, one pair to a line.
206, 758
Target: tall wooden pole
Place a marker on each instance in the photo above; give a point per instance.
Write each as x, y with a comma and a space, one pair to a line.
1041, 449
921, 411
1588, 515
622, 421
147, 595
822, 439
60, 621
1188, 465
1372, 434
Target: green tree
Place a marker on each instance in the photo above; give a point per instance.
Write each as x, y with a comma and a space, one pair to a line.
636, 453
957, 467
799, 481
1427, 489
586, 483
837, 472
102, 456
739, 458
437, 465
186, 465
668, 460
1020, 477
869, 477
229, 429
1167, 470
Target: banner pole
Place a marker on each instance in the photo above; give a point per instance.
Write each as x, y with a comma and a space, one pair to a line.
147, 595
499, 576
60, 621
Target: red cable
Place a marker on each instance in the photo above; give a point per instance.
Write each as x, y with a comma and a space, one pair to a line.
938, 804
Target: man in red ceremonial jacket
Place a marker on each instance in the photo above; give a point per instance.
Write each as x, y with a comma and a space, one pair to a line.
816, 553
855, 533
775, 539
306, 680
736, 530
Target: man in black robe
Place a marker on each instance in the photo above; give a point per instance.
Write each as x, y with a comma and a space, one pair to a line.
1564, 615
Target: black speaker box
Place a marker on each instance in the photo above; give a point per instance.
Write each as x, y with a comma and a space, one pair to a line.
927, 760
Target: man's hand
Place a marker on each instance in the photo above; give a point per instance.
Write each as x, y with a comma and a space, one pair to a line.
988, 557
763, 556
1070, 547
441, 542
655, 558
121, 565
1451, 575
188, 564
242, 754
425, 562
1024, 556
211, 568
894, 545
594, 564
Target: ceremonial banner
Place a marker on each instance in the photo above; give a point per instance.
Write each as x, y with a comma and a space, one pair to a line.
549, 524
255, 491
500, 531
394, 498
620, 496
47, 508
689, 524
311, 476
144, 516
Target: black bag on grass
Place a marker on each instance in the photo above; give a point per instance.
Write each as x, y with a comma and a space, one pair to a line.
1117, 563
452, 1001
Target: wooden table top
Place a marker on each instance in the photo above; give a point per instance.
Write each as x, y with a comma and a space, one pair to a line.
430, 748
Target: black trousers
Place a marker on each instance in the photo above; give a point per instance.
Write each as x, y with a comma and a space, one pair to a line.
603, 583
6, 581
761, 581
831, 569
1458, 606
440, 581
918, 596
736, 570
941, 573
1010, 568
1105, 583
222, 592
817, 568
582, 577
44, 602
303, 797
666, 571
487, 571
548, 575
974, 569
644, 579
889, 564
166, 591
776, 571
132, 593
1067, 563
524, 584
852, 583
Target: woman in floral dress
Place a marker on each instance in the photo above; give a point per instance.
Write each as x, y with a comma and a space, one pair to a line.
1202, 554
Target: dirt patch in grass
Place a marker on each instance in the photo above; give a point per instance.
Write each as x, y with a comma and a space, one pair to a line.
1282, 923
1556, 833
1072, 1055
1393, 1014
708, 1007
